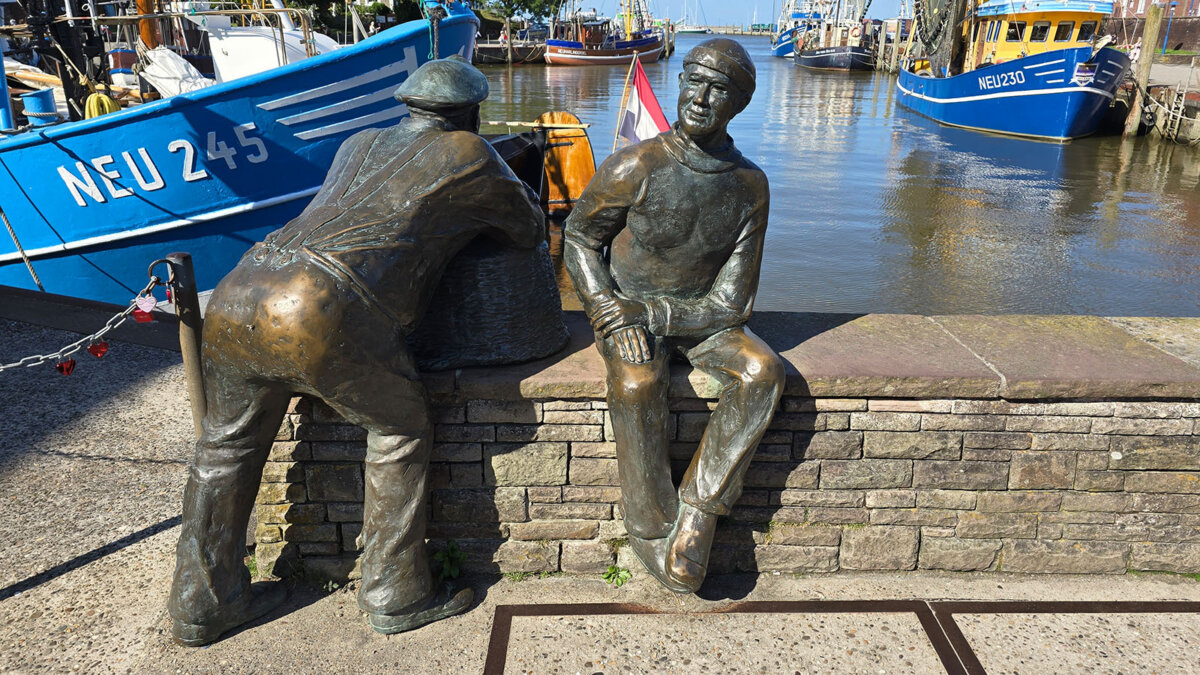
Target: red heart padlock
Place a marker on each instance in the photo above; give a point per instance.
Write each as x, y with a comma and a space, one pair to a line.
65, 367
98, 349
142, 317
170, 296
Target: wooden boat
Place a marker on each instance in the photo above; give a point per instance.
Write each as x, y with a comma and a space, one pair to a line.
584, 39
842, 41
496, 52
796, 18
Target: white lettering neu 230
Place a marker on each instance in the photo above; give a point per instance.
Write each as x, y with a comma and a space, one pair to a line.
1001, 80
145, 173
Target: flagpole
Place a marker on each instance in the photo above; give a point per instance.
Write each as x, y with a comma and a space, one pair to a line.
624, 101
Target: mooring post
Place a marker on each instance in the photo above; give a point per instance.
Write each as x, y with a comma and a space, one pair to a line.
6, 114
892, 67
1141, 77
187, 308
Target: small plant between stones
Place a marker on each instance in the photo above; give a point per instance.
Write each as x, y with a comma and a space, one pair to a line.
616, 576
451, 559
251, 565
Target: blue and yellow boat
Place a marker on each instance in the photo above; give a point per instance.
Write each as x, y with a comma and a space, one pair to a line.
1040, 68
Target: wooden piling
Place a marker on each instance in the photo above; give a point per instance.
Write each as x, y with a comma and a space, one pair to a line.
1141, 77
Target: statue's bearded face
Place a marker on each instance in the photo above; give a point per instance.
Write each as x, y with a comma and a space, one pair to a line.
708, 99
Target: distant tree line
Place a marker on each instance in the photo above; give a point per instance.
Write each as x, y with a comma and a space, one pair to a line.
328, 14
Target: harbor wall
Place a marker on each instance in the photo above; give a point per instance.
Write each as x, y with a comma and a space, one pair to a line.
1017, 444
1185, 31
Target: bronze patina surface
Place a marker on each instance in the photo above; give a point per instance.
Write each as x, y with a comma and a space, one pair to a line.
323, 307
683, 217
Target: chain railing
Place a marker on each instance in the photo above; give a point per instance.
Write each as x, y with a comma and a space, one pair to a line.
62, 358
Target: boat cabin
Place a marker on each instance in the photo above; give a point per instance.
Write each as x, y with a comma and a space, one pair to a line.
1002, 30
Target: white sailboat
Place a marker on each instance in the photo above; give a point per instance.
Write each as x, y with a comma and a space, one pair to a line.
691, 24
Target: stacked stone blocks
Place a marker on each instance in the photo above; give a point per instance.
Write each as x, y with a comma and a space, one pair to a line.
852, 483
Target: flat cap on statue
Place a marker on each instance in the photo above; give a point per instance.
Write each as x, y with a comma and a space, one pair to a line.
727, 57
445, 84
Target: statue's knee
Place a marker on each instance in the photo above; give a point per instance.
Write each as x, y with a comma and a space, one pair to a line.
398, 447
636, 383
764, 375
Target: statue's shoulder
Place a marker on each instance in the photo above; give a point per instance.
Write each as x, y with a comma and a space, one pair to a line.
753, 176
465, 142
361, 139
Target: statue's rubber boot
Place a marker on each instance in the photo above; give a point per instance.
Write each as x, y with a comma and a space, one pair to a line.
689, 546
438, 608
264, 597
653, 555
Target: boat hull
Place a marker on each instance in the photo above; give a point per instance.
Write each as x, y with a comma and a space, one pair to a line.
1057, 95
562, 53
783, 45
209, 172
836, 58
493, 54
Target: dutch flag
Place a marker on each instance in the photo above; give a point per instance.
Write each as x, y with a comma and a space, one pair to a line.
641, 117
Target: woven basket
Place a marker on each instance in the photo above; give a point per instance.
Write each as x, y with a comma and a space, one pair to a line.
495, 305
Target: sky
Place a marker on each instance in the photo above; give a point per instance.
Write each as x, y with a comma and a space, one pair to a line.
727, 12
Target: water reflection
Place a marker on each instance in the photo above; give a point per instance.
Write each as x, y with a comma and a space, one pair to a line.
877, 209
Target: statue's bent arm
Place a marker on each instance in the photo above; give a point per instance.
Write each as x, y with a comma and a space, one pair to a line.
597, 220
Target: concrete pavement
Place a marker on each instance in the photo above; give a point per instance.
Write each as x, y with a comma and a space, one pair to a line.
91, 474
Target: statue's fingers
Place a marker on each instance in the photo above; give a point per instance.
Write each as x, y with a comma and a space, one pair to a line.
610, 326
623, 346
603, 319
643, 346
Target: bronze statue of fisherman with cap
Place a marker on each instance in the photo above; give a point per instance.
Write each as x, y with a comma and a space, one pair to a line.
683, 217
322, 307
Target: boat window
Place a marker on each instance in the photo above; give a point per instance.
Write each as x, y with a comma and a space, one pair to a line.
1086, 30
1064, 30
1016, 31
1041, 30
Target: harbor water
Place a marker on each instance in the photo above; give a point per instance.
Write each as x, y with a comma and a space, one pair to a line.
877, 209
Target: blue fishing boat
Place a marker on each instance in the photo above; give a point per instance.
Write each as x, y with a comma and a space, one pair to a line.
795, 19
1038, 69
209, 172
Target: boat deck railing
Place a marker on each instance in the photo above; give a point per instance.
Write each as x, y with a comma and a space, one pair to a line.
273, 16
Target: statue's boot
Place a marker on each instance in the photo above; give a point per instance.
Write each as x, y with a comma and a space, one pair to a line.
437, 609
653, 554
264, 596
689, 546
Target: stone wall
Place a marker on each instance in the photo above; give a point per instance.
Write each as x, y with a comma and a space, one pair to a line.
523, 482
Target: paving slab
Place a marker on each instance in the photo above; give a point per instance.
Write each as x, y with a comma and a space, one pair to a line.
721, 643
575, 372
884, 355
1175, 335
1072, 357
1084, 643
